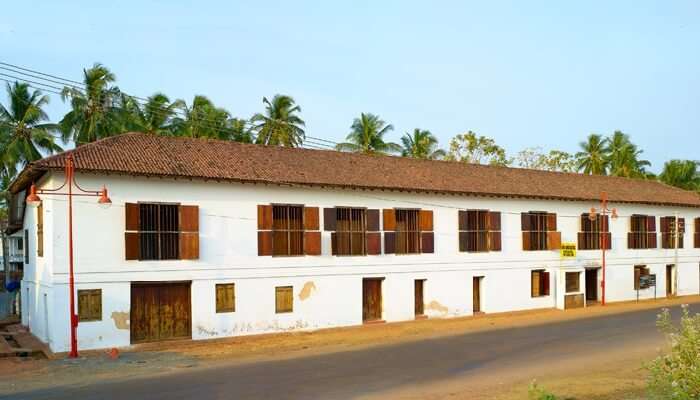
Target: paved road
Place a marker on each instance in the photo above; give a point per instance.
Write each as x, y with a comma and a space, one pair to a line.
375, 371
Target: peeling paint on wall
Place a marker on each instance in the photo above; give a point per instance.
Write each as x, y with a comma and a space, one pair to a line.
121, 319
204, 331
307, 290
436, 306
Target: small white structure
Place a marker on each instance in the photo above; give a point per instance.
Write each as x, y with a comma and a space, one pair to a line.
212, 239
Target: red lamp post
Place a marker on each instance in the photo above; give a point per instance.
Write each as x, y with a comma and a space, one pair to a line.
604, 210
33, 200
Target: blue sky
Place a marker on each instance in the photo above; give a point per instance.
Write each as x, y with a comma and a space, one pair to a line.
526, 73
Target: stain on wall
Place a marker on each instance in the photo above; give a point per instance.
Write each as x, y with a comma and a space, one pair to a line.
436, 306
121, 319
307, 290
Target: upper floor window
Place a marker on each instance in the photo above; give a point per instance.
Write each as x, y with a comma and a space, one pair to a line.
642, 234
595, 233
479, 230
354, 231
160, 231
288, 230
668, 232
408, 231
540, 231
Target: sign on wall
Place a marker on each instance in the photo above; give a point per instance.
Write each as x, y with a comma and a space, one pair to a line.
568, 250
647, 281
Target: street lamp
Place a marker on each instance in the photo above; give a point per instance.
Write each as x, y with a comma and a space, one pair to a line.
604, 210
34, 200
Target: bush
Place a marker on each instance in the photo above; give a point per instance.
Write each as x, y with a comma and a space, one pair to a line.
535, 392
676, 375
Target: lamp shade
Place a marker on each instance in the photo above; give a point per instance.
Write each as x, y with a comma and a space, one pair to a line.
104, 200
33, 199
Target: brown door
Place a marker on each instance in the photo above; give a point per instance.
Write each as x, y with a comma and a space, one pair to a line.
476, 283
160, 311
592, 284
669, 280
418, 293
371, 299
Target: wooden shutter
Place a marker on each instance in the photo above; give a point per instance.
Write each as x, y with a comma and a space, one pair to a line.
551, 222
427, 240
462, 220
389, 242
525, 222
665, 223
264, 243
494, 231
637, 273
90, 305
651, 240
329, 219
264, 217
527, 245
607, 240
189, 232
311, 218
553, 240
425, 218
225, 298
312, 243
40, 230
697, 232
373, 220
132, 244
374, 243
535, 283
284, 299
495, 240
651, 224
545, 283
389, 216
494, 221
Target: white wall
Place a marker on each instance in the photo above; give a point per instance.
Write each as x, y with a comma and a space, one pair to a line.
228, 253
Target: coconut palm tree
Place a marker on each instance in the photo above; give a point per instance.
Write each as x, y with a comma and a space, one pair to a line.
156, 116
421, 144
367, 136
593, 157
25, 136
681, 173
95, 110
624, 157
203, 120
280, 125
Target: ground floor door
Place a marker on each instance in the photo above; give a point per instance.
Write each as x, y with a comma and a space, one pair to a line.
670, 278
160, 311
592, 284
476, 291
418, 294
371, 299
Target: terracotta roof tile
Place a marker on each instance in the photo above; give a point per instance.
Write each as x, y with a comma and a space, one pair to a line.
142, 154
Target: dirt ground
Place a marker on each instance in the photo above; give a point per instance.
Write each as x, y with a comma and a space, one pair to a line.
621, 379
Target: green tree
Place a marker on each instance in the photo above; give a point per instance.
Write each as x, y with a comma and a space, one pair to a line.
367, 136
202, 120
240, 130
593, 157
421, 144
681, 173
95, 111
156, 116
624, 157
470, 148
280, 125
555, 160
25, 134
676, 375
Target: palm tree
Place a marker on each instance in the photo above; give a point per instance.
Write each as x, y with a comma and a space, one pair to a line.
624, 157
156, 116
367, 136
240, 130
24, 134
421, 144
95, 111
279, 125
203, 120
681, 173
593, 157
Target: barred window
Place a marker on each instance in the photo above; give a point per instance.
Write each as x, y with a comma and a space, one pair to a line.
594, 232
642, 233
350, 231
668, 232
535, 225
159, 231
407, 232
287, 230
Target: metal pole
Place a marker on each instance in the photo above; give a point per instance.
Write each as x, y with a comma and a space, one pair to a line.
71, 279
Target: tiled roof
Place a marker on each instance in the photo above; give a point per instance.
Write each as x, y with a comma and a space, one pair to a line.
149, 155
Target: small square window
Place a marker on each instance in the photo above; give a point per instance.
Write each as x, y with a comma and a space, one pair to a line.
225, 298
90, 305
284, 299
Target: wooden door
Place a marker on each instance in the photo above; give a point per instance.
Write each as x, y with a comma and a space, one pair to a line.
592, 284
418, 294
160, 311
669, 280
476, 283
371, 299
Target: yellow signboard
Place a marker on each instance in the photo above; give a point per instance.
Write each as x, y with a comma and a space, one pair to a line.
568, 250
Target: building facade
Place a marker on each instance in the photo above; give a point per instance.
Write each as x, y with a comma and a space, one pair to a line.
189, 254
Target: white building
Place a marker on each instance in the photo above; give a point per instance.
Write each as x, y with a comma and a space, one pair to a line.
212, 239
